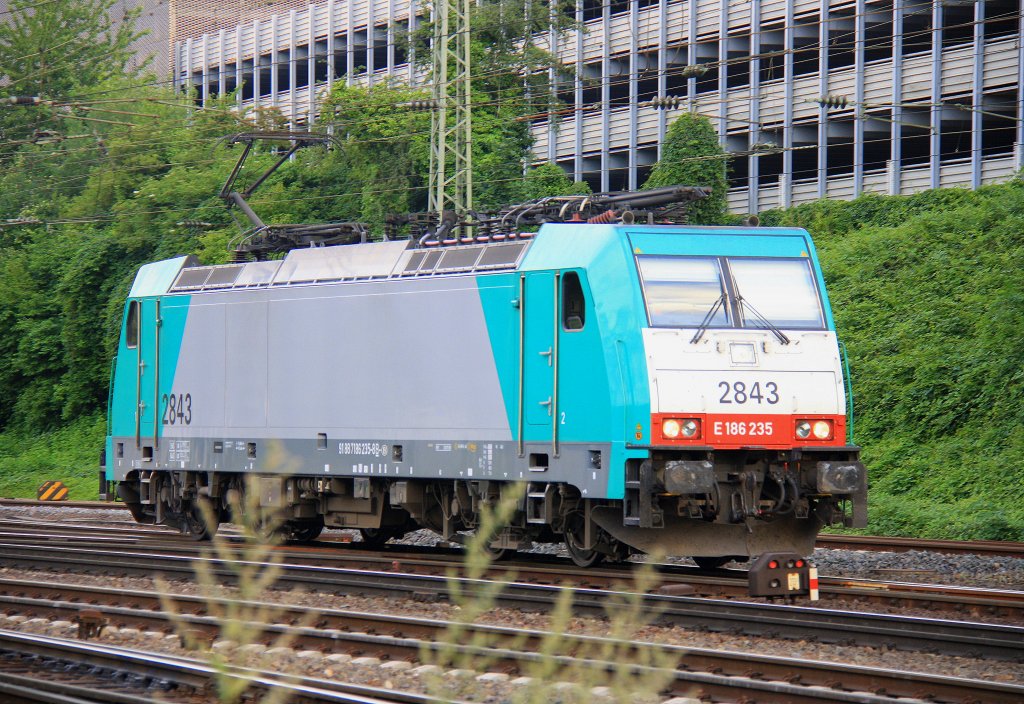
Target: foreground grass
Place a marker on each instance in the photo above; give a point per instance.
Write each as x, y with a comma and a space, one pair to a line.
70, 454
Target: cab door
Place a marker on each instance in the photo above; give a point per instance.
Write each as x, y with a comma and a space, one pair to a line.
539, 353
144, 332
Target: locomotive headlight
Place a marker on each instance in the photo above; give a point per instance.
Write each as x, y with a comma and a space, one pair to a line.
822, 429
691, 428
803, 429
670, 428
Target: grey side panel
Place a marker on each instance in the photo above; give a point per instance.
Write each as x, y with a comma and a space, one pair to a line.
406, 360
201, 372
245, 371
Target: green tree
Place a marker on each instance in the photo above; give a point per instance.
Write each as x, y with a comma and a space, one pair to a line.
692, 156
57, 52
549, 179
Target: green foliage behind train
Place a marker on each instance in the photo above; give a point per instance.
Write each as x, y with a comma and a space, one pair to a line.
928, 294
928, 290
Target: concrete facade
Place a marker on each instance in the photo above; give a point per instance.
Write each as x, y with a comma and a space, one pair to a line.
925, 93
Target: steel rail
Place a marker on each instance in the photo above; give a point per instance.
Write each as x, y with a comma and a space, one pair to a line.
997, 548
965, 602
949, 637
197, 674
770, 672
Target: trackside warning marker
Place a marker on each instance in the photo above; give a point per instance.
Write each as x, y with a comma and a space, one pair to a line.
813, 583
52, 491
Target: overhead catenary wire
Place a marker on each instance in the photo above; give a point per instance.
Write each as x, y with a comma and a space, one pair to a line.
108, 218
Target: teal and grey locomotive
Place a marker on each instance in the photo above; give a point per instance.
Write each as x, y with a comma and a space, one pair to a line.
650, 388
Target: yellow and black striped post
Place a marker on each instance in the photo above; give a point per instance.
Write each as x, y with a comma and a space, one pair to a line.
52, 491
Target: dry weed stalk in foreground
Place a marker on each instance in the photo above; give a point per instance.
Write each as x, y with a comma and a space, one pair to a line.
254, 567
565, 670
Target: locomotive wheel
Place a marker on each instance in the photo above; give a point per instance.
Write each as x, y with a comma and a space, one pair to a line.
711, 563
376, 537
497, 554
573, 535
195, 525
305, 531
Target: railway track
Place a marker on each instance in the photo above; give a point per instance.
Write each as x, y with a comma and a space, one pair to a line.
960, 602
702, 672
711, 673
874, 543
42, 669
777, 620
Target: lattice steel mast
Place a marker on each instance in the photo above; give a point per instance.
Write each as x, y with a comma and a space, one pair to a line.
451, 134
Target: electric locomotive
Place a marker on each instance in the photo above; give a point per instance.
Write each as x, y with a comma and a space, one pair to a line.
649, 387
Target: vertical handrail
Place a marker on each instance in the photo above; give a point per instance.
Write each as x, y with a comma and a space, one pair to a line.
849, 393
554, 363
522, 355
110, 396
138, 377
156, 373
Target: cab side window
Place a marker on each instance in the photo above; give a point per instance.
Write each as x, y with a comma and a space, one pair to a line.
574, 306
132, 327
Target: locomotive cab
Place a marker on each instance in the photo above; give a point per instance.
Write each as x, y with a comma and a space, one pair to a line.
736, 440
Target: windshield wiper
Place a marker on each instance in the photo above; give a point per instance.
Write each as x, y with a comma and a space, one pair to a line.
707, 319
767, 323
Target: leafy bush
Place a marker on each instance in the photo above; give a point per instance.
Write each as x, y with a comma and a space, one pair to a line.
928, 296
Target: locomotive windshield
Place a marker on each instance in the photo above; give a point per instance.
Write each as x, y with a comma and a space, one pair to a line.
723, 292
682, 291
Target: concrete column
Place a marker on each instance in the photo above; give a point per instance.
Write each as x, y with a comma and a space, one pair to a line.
895, 130
977, 91
936, 109
755, 106
786, 177
606, 108
293, 108
330, 46
662, 68
859, 32
578, 89
723, 70
221, 65
1020, 96
691, 52
823, 39
239, 73
634, 62
311, 68
274, 42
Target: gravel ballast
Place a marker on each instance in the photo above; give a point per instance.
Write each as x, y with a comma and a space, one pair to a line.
1006, 573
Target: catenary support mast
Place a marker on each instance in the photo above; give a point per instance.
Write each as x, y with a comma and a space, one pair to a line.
451, 141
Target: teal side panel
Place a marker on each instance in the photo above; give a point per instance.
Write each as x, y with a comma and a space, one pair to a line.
126, 393
499, 297
155, 279
109, 455
603, 388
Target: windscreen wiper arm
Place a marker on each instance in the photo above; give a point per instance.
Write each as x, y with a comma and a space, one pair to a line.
767, 323
707, 319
